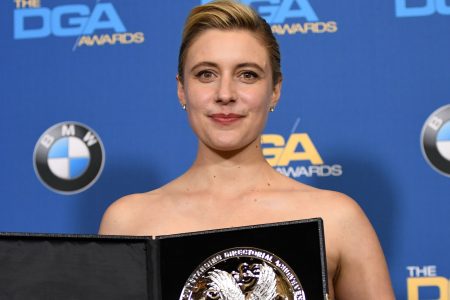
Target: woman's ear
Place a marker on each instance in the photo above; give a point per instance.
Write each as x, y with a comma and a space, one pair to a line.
180, 91
276, 93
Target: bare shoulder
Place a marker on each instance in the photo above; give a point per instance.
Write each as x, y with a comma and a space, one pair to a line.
122, 216
343, 217
360, 270
343, 214
332, 205
346, 224
337, 206
355, 256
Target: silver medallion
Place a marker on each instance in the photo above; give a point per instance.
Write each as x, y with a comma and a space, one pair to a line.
243, 274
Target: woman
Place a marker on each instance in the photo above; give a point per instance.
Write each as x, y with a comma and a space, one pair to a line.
229, 80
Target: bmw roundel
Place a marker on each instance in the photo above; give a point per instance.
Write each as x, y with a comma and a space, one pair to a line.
68, 157
436, 140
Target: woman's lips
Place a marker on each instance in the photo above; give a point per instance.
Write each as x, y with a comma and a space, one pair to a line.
226, 119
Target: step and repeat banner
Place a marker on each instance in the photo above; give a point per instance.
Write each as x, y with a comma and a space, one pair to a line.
89, 113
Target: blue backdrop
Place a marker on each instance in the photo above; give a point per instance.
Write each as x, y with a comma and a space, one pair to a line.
365, 82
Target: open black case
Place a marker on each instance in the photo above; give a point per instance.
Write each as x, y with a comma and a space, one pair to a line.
285, 259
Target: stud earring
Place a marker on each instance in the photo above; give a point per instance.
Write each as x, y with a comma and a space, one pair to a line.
183, 106
271, 109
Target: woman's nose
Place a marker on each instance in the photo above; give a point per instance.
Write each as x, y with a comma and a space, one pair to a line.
226, 91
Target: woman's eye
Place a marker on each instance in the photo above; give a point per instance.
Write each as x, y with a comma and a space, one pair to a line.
249, 76
205, 76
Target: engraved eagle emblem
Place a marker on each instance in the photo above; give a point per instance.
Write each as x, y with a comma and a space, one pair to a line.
224, 286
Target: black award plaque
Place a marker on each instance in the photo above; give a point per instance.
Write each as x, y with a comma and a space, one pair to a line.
279, 261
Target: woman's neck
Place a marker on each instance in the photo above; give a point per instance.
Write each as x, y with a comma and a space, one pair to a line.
234, 170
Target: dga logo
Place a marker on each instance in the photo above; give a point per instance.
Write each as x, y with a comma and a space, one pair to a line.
436, 140
297, 156
243, 273
289, 16
32, 21
423, 283
406, 8
68, 157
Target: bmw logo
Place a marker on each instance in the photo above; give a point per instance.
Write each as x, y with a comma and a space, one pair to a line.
436, 140
68, 158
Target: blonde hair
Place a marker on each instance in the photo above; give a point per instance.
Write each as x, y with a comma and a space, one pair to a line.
229, 15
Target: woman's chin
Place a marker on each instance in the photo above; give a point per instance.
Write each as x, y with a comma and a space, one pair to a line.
228, 146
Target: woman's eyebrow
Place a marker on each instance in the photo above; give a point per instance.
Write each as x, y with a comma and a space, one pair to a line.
239, 66
251, 65
205, 64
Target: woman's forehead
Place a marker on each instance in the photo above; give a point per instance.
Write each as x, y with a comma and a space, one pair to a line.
227, 47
